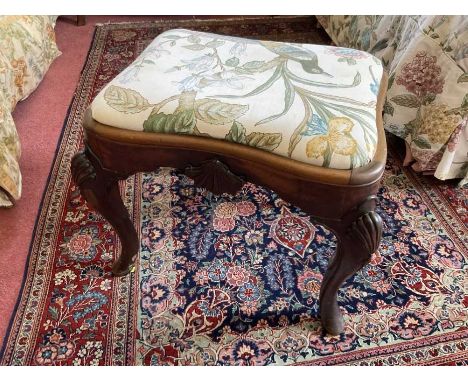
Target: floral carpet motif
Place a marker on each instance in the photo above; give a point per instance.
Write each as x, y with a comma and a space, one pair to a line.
233, 280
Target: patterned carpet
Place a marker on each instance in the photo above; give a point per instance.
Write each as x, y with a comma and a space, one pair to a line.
220, 280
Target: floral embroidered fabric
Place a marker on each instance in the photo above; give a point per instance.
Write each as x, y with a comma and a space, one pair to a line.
301, 101
427, 97
27, 48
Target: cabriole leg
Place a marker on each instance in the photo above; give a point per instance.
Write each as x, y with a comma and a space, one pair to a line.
358, 237
100, 189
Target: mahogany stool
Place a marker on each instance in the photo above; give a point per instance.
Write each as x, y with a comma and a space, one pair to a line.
303, 120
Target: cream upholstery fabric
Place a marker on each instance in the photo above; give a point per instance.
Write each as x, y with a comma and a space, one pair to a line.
311, 103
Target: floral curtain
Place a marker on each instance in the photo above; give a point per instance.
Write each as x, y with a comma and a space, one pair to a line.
427, 101
27, 48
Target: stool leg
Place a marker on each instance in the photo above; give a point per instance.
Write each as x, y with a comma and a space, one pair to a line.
357, 240
100, 189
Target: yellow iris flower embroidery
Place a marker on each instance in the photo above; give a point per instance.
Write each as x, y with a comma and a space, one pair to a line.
338, 140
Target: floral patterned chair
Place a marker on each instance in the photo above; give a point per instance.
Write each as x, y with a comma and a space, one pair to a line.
291, 117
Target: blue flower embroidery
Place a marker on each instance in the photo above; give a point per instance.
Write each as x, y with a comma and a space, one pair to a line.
315, 126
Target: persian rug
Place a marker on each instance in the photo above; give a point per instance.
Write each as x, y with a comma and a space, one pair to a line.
220, 280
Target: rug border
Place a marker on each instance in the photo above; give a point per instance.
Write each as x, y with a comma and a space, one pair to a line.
368, 354
38, 214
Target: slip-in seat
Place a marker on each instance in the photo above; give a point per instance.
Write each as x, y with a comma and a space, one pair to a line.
312, 103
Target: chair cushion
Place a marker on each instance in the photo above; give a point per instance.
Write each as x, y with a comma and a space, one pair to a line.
312, 103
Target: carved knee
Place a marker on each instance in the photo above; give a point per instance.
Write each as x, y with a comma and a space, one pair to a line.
366, 231
82, 169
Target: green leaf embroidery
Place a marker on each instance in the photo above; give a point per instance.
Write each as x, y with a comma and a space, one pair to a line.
194, 39
400, 131
297, 133
215, 44
292, 76
412, 126
388, 108
406, 100
217, 112
265, 141
428, 99
253, 65
233, 61
464, 104
237, 133
289, 95
382, 44
390, 80
194, 47
172, 36
125, 100
422, 143
182, 122
463, 78
365, 40
462, 111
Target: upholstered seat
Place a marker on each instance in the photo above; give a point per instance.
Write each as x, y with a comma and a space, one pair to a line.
315, 104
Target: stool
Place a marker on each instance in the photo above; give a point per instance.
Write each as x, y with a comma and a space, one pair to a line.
303, 120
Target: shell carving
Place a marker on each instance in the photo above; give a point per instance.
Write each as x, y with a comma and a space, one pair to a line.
367, 229
215, 176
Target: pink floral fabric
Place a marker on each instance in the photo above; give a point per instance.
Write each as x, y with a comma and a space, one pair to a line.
427, 98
